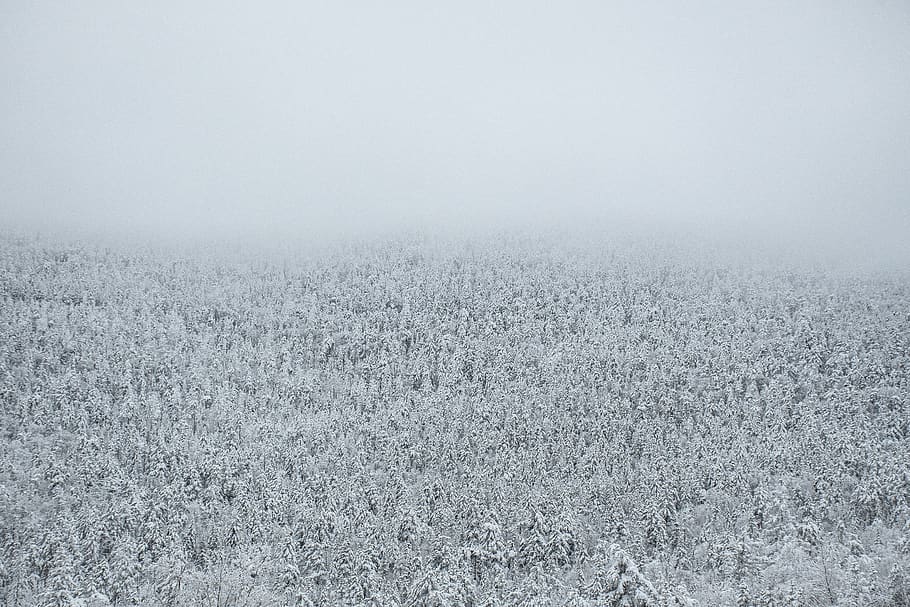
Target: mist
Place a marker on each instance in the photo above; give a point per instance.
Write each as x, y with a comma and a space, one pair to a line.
315, 120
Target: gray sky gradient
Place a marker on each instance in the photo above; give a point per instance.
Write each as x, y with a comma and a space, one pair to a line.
306, 118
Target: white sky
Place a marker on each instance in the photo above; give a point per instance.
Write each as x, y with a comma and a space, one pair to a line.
326, 117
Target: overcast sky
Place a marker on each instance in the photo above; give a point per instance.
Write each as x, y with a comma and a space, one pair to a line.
322, 117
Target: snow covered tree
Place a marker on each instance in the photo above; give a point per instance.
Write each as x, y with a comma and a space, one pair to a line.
618, 582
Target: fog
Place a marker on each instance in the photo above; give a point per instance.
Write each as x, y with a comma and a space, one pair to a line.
315, 119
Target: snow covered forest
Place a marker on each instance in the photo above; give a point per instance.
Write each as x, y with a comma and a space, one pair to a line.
490, 422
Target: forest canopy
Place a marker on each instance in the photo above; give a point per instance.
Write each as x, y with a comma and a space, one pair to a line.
495, 422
